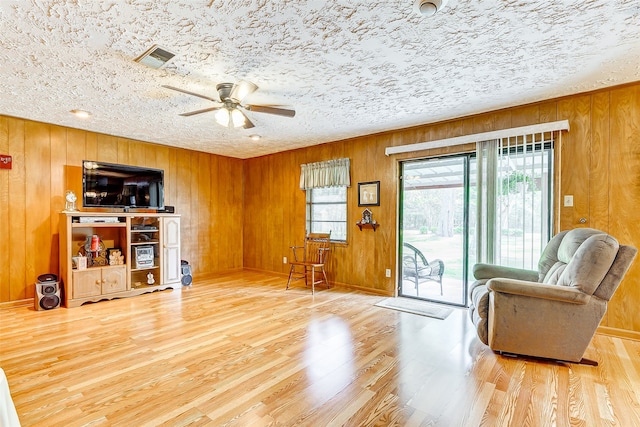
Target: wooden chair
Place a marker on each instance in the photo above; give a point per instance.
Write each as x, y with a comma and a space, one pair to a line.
309, 258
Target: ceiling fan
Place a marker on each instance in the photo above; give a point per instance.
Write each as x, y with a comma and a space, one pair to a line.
231, 95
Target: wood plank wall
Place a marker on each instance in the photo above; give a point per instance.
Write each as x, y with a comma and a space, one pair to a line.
600, 164
600, 167
206, 190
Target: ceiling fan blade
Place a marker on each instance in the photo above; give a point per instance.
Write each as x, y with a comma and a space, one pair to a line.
190, 93
241, 90
206, 110
271, 110
247, 123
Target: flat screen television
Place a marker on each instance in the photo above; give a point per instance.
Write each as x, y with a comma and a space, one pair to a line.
110, 185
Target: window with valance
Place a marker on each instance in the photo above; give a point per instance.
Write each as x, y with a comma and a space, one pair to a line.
326, 186
330, 173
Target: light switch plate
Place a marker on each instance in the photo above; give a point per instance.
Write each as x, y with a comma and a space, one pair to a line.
568, 201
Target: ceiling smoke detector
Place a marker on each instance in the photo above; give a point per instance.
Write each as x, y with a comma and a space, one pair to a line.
430, 7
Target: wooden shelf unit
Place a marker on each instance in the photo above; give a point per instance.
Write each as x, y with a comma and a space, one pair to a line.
157, 233
144, 236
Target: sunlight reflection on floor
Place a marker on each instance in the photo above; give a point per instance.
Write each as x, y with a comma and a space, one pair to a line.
329, 356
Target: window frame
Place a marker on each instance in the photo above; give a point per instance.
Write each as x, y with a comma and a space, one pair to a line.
309, 204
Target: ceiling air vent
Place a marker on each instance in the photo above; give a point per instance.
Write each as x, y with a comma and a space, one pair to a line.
155, 57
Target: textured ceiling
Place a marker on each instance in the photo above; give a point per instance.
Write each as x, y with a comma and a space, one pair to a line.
348, 67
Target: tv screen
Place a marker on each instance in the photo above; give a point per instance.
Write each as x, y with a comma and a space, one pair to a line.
109, 185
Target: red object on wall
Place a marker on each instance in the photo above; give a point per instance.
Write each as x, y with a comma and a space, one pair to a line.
5, 161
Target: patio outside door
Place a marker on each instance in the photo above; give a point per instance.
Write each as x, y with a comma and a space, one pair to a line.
434, 223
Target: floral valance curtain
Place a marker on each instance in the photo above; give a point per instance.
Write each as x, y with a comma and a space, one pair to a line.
332, 173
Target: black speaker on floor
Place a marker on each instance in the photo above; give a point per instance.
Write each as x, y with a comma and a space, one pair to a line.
185, 269
47, 295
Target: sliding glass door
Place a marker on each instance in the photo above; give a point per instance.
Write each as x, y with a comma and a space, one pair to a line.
494, 205
434, 225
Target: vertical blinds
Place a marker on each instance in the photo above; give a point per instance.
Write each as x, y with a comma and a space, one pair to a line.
515, 196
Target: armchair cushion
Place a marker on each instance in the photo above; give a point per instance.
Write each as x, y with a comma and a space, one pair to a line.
621, 264
549, 256
583, 259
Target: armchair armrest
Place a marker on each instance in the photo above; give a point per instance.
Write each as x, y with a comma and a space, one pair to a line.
538, 290
490, 271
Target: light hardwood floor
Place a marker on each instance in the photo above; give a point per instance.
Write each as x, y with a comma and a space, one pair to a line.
240, 350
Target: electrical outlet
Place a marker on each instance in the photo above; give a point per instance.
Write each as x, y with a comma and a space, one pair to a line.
284, 259
388, 272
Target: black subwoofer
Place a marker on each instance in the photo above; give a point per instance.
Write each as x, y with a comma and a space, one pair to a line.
185, 269
47, 295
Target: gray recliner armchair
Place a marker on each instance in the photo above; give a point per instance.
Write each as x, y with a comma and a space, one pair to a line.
553, 312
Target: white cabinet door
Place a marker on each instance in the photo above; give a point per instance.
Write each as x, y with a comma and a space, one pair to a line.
171, 250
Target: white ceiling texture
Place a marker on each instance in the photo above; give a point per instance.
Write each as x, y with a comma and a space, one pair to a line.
348, 67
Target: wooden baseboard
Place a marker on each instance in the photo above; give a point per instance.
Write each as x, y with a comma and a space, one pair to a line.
380, 292
274, 273
618, 333
216, 274
337, 284
17, 303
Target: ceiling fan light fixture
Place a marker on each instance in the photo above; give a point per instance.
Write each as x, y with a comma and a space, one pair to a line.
222, 117
228, 114
237, 118
230, 117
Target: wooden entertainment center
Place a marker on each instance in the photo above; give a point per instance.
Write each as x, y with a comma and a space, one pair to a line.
149, 244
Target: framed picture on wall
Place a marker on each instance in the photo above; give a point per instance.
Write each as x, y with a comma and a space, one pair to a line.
369, 193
